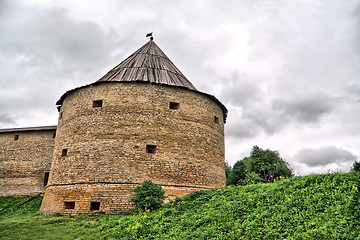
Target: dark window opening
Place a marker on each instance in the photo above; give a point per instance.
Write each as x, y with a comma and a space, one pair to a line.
16, 137
69, 205
151, 148
64, 152
54, 135
174, 105
94, 206
216, 119
97, 103
61, 115
46, 178
58, 108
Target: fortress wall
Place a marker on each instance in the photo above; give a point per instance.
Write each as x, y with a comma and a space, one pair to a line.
108, 144
24, 160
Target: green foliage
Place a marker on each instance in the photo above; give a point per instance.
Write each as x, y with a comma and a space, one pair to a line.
10, 206
266, 164
227, 169
237, 174
356, 167
147, 196
311, 207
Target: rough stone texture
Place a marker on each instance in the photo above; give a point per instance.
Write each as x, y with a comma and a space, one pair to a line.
106, 146
23, 162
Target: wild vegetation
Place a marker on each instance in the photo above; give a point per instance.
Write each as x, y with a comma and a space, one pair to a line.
310, 207
260, 166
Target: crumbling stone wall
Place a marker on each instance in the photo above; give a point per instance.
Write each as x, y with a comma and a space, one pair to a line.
25, 158
112, 136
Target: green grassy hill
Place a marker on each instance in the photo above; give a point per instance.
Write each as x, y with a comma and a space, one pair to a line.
311, 207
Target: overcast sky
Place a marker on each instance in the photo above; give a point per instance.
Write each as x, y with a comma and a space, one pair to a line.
288, 71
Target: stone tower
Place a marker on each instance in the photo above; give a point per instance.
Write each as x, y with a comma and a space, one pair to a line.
143, 120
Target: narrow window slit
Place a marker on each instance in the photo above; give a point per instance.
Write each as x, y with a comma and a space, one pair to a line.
46, 178
97, 103
174, 105
64, 152
16, 137
216, 119
151, 148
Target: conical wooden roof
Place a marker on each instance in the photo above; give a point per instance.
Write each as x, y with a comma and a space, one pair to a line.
148, 64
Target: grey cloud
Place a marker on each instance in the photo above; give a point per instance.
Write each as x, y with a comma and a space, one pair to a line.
252, 120
44, 54
241, 129
6, 120
307, 109
239, 91
324, 156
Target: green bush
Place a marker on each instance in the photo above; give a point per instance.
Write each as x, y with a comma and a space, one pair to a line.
147, 196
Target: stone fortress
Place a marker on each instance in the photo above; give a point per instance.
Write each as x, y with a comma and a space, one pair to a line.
143, 120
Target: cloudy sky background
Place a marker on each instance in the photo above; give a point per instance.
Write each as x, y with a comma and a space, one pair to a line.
288, 71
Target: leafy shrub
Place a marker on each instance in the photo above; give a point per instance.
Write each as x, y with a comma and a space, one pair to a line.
147, 196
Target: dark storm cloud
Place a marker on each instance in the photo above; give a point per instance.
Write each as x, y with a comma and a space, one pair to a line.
324, 156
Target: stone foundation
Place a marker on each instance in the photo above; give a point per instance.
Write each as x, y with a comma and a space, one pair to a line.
113, 197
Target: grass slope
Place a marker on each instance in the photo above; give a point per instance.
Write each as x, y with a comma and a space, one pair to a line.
311, 207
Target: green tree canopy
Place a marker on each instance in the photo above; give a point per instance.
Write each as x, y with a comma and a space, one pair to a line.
356, 167
266, 164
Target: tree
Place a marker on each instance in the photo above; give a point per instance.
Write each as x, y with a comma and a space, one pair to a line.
266, 164
356, 167
237, 173
227, 170
147, 196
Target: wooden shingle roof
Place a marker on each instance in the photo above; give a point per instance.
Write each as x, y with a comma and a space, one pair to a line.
148, 64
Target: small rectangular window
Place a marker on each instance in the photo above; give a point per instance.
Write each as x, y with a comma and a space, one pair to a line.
46, 178
54, 135
97, 103
174, 105
94, 206
16, 137
64, 152
216, 119
69, 205
151, 148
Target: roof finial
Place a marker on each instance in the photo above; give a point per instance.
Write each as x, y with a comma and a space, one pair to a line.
150, 35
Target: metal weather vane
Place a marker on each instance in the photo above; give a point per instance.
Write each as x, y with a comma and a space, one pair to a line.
150, 35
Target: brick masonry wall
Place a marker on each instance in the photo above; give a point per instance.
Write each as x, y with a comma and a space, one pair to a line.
106, 153
23, 162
